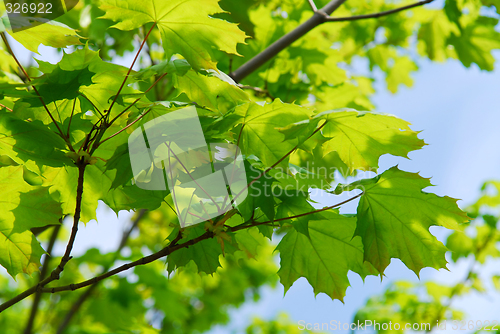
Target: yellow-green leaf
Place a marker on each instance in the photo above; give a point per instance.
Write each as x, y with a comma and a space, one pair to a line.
185, 26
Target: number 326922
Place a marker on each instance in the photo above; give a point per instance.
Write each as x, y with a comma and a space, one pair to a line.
40, 8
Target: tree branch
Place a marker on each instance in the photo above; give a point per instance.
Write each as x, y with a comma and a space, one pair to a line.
85, 295
43, 273
319, 17
376, 15
172, 247
54, 275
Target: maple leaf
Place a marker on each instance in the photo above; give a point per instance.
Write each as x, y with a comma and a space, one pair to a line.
394, 216
23, 207
325, 257
185, 26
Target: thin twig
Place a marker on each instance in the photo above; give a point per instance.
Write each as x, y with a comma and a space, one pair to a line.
4, 106
276, 163
84, 296
240, 227
313, 5
54, 275
172, 247
376, 15
43, 273
125, 128
130, 68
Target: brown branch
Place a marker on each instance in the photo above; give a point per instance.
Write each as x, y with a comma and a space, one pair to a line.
272, 50
54, 275
320, 16
4, 106
85, 295
43, 273
172, 247
376, 15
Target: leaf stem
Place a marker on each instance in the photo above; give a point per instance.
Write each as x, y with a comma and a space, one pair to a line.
125, 128
71, 117
137, 100
4, 106
240, 227
130, 68
376, 15
277, 163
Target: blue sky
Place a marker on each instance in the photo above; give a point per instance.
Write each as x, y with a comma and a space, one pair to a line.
458, 112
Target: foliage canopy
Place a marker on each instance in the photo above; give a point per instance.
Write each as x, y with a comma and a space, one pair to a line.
303, 120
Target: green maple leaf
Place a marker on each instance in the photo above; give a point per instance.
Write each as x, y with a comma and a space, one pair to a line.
205, 254
325, 257
185, 27
30, 143
394, 216
434, 35
259, 193
22, 207
97, 185
476, 43
259, 133
209, 90
294, 206
361, 138
66, 86
400, 73
51, 33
